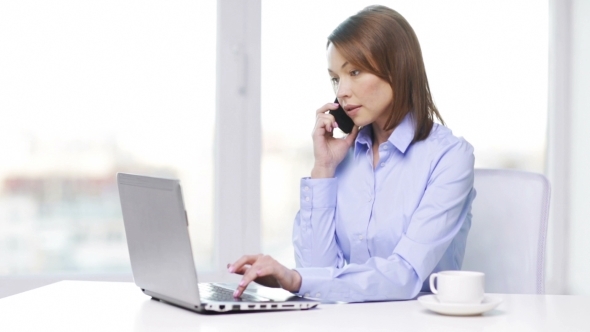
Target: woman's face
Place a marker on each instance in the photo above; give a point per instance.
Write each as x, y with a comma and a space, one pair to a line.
365, 97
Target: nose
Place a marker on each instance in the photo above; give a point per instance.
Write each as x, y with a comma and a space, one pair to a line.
343, 89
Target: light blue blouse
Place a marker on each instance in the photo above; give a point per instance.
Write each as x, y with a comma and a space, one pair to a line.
371, 234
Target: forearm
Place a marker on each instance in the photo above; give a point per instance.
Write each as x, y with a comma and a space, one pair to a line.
377, 280
316, 246
314, 236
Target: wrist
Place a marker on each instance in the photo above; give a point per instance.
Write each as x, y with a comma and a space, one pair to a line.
319, 172
296, 282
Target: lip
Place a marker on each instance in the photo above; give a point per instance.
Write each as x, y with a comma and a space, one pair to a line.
351, 109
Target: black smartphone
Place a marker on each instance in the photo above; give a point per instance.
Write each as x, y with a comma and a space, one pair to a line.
344, 122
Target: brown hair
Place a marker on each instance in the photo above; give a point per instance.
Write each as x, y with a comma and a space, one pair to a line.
380, 41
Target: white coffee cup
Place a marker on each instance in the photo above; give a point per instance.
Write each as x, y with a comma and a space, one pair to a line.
465, 287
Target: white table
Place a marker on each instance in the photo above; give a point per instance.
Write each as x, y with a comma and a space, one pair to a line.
118, 306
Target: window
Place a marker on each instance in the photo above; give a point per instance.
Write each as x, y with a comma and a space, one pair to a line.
90, 89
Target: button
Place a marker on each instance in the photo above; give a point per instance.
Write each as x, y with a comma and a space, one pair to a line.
382, 164
306, 188
360, 237
306, 295
370, 198
385, 147
318, 295
307, 198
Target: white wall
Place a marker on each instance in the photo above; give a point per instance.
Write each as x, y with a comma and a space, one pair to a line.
568, 250
578, 267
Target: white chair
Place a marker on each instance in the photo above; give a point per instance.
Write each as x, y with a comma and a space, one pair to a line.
508, 230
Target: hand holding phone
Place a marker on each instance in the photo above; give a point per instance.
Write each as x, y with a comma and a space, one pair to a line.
328, 150
344, 122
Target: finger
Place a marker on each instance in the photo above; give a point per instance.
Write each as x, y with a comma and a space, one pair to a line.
263, 263
352, 136
326, 116
327, 121
246, 259
240, 271
327, 107
324, 124
247, 278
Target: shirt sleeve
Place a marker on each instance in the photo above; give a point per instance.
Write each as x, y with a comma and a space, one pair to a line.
445, 205
314, 234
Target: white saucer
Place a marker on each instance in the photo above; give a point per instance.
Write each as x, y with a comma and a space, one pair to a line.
455, 309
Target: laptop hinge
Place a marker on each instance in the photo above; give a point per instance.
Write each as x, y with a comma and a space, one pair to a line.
190, 306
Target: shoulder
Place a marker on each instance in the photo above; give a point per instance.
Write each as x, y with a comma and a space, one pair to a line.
442, 151
441, 141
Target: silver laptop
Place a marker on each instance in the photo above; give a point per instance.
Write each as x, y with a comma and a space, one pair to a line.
156, 227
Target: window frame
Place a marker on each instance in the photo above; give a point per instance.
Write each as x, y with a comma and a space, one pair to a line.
238, 142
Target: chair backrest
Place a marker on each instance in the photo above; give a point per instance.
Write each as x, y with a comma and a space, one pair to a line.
508, 230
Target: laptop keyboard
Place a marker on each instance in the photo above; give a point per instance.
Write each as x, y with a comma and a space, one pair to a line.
216, 293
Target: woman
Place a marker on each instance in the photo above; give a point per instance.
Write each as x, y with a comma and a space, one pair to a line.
390, 203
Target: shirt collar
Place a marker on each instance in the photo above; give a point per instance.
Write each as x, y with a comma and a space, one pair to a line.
363, 140
401, 137
403, 134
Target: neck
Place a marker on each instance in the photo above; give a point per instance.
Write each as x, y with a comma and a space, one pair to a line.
380, 135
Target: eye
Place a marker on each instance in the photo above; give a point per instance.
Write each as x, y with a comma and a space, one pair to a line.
334, 80
355, 73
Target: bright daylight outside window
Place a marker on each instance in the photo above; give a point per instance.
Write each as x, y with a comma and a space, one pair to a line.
89, 89
487, 67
